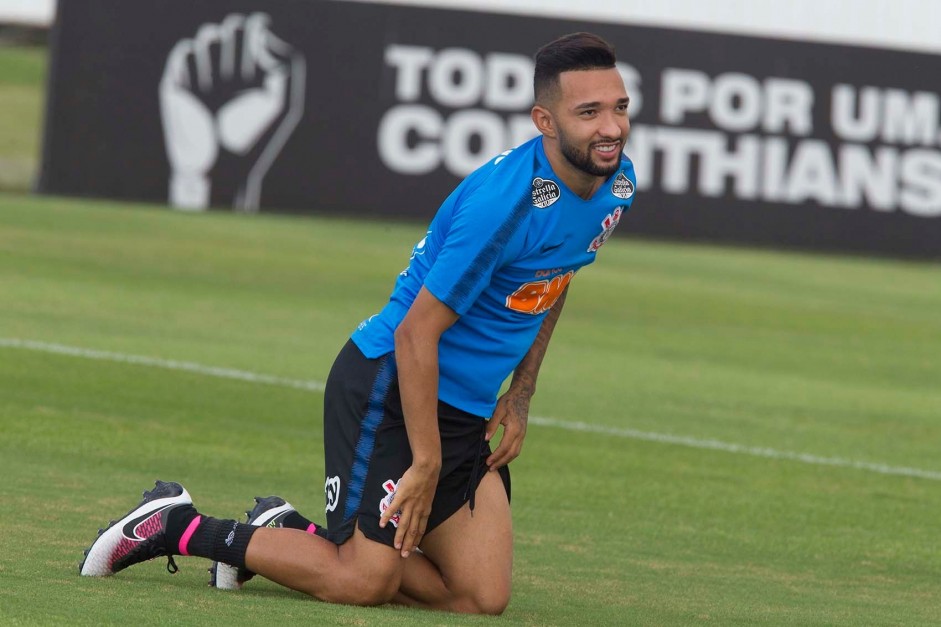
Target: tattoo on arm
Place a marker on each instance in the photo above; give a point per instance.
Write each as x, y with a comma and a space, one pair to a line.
524, 377
520, 405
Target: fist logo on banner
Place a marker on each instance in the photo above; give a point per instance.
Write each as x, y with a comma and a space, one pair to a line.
230, 98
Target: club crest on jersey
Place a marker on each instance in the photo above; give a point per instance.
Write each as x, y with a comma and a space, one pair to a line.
622, 186
331, 489
545, 192
386, 502
607, 228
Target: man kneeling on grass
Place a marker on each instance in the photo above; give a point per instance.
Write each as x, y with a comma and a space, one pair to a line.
413, 515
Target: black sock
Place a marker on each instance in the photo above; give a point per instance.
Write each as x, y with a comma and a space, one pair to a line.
294, 520
218, 539
178, 520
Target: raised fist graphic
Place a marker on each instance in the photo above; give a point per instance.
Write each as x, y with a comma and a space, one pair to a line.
230, 98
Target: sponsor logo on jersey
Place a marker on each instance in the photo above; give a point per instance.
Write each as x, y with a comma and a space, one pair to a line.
386, 502
551, 272
545, 192
332, 489
362, 325
607, 228
622, 186
502, 156
536, 297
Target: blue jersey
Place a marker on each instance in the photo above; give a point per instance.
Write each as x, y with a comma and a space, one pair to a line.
501, 249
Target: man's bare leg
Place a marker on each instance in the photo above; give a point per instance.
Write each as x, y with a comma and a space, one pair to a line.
466, 563
357, 572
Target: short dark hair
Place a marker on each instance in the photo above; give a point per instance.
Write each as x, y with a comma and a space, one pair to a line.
576, 51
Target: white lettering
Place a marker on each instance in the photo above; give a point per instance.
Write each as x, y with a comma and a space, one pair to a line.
679, 146
456, 77
409, 62
894, 115
812, 175
855, 123
490, 96
910, 118
921, 175
741, 165
417, 139
509, 82
681, 92
774, 169
789, 106
393, 140
864, 177
461, 128
736, 102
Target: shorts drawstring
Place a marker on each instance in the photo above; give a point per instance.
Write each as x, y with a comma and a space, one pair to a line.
472, 483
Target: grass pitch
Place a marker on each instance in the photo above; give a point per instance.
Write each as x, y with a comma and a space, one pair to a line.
741, 414
22, 74
817, 363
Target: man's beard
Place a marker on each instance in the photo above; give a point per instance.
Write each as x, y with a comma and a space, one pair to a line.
582, 159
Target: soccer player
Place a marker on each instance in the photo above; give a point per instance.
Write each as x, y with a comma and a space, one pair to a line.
417, 504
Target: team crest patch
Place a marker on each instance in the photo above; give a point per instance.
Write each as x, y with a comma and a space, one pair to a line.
622, 186
331, 489
607, 228
545, 192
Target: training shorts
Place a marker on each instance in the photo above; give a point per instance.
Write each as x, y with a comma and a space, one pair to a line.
366, 449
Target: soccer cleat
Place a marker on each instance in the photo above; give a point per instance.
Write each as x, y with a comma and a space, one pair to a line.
268, 512
139, 536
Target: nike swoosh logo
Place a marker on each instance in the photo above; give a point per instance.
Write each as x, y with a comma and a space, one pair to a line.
547, 247
130, 527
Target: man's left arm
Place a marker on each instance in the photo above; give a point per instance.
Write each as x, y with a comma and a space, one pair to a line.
512, 409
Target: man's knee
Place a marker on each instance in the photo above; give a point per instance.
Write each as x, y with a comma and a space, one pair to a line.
369, 573
492, 601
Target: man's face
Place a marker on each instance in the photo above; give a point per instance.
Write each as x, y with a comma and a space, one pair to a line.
591, 120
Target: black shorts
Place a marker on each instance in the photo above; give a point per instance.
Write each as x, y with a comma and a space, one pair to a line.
366, 449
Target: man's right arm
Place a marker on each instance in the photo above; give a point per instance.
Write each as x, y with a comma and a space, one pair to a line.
512, 409
416, 356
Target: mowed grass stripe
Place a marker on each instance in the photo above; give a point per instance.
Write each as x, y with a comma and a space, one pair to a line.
608, 531
570, 425
836, 357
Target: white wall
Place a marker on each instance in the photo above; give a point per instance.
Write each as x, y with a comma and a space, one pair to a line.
903, 24
28, 12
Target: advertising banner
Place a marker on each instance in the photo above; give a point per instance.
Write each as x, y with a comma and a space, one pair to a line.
380, 110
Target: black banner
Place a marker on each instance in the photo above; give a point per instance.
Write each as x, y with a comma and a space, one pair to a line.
312, 106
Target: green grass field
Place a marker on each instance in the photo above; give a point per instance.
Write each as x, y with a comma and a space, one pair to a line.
833, 358
720, 436
22, 73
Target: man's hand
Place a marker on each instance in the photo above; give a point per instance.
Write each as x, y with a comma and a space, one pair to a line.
512, 412
411, 503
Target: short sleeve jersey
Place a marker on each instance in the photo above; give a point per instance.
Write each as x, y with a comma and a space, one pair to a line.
499, 252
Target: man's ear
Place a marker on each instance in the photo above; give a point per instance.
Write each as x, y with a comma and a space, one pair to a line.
542, 118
